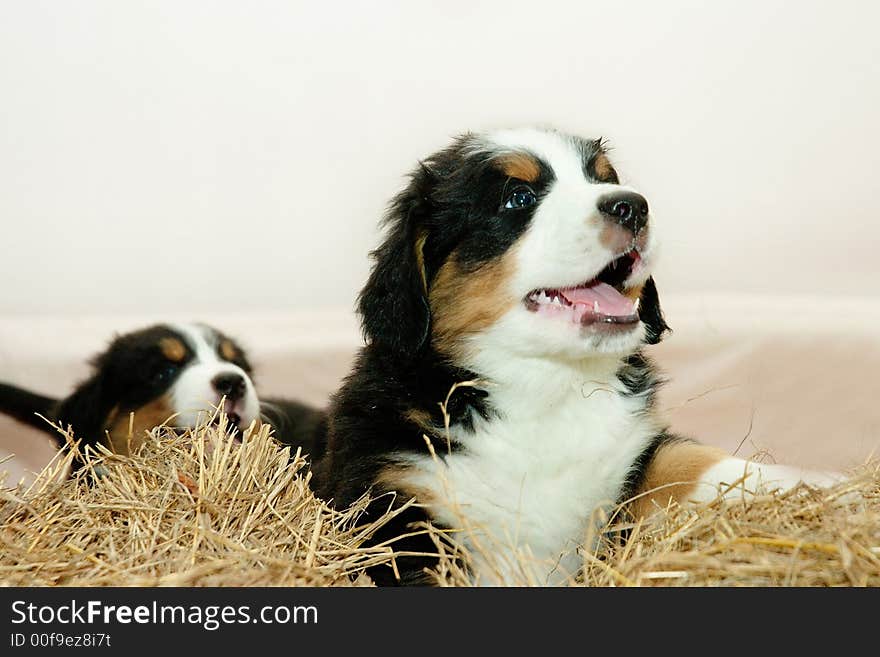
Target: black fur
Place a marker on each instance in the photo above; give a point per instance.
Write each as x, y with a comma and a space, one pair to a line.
394, 303
651, 314
296, 425
26, 406
639, 375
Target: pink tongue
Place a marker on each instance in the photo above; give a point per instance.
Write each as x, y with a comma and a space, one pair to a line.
611, 302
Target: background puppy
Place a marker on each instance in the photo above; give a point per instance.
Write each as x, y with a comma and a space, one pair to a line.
173, 374
515, 263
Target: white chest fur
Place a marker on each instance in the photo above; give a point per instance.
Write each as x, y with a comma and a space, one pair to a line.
525, 486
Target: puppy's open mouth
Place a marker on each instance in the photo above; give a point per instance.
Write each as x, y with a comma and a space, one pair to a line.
599, 301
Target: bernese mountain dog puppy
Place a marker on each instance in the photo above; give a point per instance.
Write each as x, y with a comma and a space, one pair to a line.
173, 374
504, 383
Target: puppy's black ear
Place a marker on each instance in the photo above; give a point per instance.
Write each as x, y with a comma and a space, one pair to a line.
651, 313
393, 305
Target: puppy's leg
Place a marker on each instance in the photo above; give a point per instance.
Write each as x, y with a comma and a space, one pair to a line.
687, 471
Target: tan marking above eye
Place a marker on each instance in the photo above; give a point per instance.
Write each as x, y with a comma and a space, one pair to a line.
173, 349
228, 350
519, 165
603, 169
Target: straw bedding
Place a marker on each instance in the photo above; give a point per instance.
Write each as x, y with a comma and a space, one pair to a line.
202, 509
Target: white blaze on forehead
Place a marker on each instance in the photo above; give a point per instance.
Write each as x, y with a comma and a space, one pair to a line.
201, 339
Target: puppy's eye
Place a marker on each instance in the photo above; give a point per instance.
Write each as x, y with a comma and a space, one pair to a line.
166, 373
521, 197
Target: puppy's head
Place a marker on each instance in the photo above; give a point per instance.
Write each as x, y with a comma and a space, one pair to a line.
517, 241
164, 373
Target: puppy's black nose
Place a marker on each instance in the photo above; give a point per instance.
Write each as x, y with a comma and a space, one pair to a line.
628, 209
231, 385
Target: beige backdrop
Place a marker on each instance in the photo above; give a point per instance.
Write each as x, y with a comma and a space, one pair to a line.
229, 161
197, 156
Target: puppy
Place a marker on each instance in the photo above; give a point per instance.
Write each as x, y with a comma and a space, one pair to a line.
505, 319
167, 373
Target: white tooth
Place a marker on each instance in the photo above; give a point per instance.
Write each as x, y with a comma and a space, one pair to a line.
595, 306
636, 306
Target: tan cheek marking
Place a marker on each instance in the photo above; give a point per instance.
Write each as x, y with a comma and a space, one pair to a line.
464, 303
678, 462
519, 165
228, 350
602, 168
173, 349
146, 418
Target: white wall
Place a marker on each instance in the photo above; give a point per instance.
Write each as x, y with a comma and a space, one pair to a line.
169, 156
